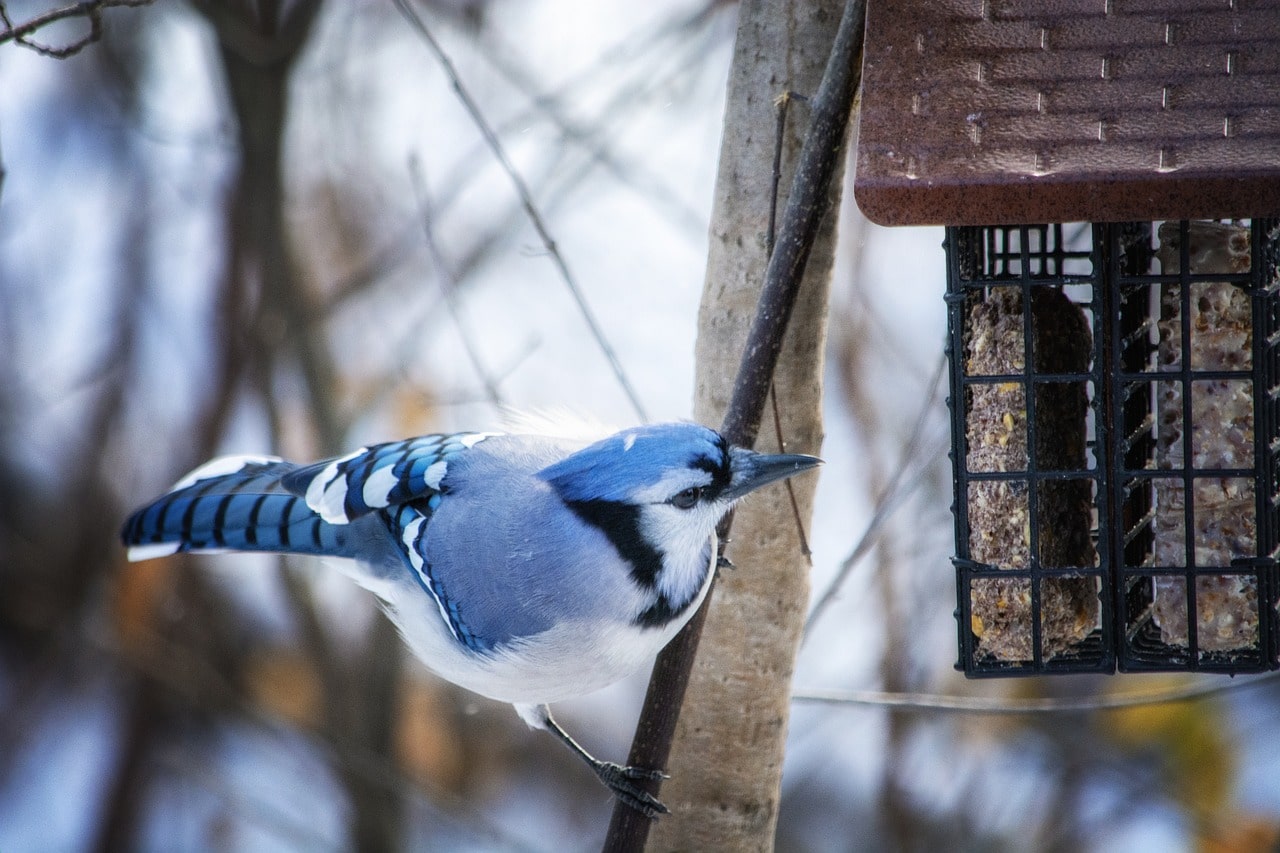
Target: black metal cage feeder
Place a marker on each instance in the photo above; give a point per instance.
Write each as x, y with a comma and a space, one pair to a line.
1114, 387
1115, 444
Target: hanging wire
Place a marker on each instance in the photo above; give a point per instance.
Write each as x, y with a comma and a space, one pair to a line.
1005, 705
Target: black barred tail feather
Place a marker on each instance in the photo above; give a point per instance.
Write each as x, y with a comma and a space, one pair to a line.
232, 504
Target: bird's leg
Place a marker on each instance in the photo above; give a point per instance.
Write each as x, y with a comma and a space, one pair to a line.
621, 780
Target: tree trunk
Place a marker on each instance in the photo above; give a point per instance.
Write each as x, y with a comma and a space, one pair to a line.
726, 762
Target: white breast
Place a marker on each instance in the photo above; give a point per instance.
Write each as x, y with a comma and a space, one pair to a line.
571, 659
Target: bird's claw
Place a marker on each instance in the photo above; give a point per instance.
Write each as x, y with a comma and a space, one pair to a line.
723, 563
621, 781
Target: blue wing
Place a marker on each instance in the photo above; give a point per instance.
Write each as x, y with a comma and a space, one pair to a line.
383, 475
403, 480
407, 525
231, 504
267, 504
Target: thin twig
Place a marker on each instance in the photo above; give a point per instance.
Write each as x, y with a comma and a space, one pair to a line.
20, 34
889, 501
782, 104
1015, 706
448, 285
806, 205
627, 53
592, 137
459, 176
791, 491
526, 200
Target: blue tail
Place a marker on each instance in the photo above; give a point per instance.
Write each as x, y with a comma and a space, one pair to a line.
232, 504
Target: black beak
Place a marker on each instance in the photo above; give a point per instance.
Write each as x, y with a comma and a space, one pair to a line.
752, 470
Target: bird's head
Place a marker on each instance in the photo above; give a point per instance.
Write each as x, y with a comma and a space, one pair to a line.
672, 483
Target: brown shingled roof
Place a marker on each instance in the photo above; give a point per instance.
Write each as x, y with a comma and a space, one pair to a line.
984, 112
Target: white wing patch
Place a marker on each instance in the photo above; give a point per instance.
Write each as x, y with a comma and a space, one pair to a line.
138, 553
377, 488
327, 492
470, 441
410, 539
435, 473
222, 466
152, 550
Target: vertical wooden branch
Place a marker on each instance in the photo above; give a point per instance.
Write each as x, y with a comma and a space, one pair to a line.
727, 769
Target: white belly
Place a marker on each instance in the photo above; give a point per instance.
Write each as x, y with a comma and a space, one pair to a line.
571, 659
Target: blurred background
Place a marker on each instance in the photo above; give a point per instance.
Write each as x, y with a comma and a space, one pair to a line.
274, 227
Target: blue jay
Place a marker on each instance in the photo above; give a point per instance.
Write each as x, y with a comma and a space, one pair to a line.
525, 568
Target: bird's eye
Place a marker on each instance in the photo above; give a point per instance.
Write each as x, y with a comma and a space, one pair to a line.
688, 498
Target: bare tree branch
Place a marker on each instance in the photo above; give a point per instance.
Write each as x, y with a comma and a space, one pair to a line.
91, 10
593, 136
448, 284
889, 500
526, 199
805, 207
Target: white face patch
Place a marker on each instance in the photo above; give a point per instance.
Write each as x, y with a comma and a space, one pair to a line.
681, 535
672, 483
222, 466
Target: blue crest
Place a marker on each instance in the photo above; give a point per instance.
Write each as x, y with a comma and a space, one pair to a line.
613, 468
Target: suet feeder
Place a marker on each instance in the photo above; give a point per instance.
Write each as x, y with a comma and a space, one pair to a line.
1109, 175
